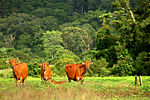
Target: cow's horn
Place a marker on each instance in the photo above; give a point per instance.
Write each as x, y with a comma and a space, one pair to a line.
42, 60
84, 59
90, 59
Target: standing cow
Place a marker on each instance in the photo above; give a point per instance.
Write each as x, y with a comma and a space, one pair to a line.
46, 74
45, 71
77, 72
20, 71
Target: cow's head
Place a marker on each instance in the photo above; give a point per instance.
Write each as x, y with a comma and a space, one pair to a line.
44, 69
12, 62
87, 64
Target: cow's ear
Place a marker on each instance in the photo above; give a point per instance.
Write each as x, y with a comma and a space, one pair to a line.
83, 63
40, 64
7, 61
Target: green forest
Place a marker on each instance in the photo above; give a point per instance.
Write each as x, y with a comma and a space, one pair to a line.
114, 34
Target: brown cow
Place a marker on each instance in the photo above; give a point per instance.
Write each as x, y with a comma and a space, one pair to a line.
56, 82
77, 72
45, 71
20, 71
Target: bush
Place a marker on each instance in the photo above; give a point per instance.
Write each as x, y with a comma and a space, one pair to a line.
3, 64
3, 57
63, 54
100, 67
20, 54
4, 52
124, 64
60, 66
34, 70
89, 73
6, 73
142, 64
53, 71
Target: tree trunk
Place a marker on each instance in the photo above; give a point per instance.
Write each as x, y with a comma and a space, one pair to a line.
8, 40
131, 13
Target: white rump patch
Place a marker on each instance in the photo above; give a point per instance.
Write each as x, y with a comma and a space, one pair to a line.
78, 78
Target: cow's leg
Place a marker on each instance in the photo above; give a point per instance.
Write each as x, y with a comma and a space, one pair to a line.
16, 82
42, 79
77, 79
69, 79
24, 80
82, 81
21, 81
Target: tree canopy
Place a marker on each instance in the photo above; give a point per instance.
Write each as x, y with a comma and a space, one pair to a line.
113, 33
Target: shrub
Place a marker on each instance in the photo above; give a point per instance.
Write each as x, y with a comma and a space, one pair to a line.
89, 73
3, 57
3, 64
34, 70
20, 54
142, 64
124, 64
100, 67
6, 73
60, 66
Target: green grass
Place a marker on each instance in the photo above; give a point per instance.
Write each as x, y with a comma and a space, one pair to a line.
94, 88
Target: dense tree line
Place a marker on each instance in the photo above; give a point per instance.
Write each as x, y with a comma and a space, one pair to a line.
114, 33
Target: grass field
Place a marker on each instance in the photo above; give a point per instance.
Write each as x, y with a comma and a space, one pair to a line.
94, 88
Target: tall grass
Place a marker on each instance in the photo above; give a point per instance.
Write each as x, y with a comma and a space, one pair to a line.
94, 88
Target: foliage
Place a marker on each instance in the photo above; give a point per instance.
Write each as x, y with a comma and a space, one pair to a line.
108, 31
142, 64
52, 43
126, 31
6, 73
64, 53
124, 65
3, 57
49, 23
77, 37
99, 67
3, 64
105, 48
34, 70
60, 66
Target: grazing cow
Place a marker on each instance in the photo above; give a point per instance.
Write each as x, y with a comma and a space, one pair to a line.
45, 71
20, 71
56, 82
77, 72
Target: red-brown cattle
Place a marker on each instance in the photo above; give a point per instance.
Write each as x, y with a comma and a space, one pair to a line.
77, 72
45, 71
20, 71
56, 82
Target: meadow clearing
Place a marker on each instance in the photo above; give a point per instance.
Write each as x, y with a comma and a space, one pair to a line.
93, 88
